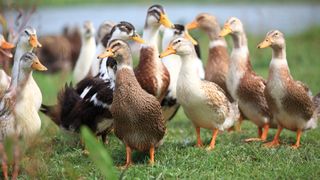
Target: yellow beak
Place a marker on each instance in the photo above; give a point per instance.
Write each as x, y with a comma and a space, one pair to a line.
107, 53
36, 65
137, 38
168, 51
164, 20
34, 41
188, 36
225, 31
192, 25
264, 44
6, 45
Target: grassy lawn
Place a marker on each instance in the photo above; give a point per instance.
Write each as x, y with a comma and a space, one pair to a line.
58, 155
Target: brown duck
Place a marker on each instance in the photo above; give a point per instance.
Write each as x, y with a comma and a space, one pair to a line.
290, 101
138, 119
243, 84
151, 73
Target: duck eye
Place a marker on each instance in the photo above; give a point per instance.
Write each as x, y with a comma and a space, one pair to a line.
27, 33
179, 41
276, 34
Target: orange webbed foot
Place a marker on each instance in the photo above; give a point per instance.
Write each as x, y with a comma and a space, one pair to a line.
272, 144
253, 140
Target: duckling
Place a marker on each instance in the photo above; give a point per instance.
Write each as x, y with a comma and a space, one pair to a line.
204, 102
151, 73
104, 29
138, 120
243, 84
87, 52
11, 122
89, 103
169, 103
289, 100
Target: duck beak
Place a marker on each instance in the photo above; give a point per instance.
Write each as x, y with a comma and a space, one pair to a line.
264, 44
192, 25
137, 38
225, 31
107, 53
33, 40
164, 20
188, 36
6, 45
168, 51
36, 65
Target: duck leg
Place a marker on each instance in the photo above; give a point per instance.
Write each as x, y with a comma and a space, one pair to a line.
276, 140
262, 134
129, 161
151, 155
240, 121
213, 140
297, 144
199, 142
4, 159
16, 158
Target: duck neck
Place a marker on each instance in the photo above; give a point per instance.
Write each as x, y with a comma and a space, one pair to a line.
20, 50
278, 52
188, 71
150, 35
239, 39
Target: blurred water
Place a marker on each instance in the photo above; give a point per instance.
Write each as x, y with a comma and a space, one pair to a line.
258, 19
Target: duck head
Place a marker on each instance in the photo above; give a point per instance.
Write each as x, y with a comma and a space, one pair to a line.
205, 22
179, 46
274, 39
104, 29
29, 39
88, 30
5, 47
120, 51
156, 16
178, 31
29, 61
232, 26
123, 30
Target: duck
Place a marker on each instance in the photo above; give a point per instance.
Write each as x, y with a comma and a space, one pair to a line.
151, 73
204, 102
87, 52
172, 62
89, 102
217, 66
290, 101
104, 29
216, 69
243, 84
138, 119
5, 48
13, 124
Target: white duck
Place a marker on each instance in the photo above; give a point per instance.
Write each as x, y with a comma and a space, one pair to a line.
87, 52
173, 63
204, 102
4, 78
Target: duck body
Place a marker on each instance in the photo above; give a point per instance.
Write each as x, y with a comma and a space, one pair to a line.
141, 126
290, 103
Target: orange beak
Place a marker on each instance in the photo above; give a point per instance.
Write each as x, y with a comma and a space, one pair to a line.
168, 51
265, 43
36, 65
225, 31
165, 21
188, 36
138, 39
192, 25
107, 53
6, 45
34, 41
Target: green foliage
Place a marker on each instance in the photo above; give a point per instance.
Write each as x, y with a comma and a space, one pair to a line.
98, 154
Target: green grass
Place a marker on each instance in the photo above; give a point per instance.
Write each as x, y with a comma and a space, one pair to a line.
58, 155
